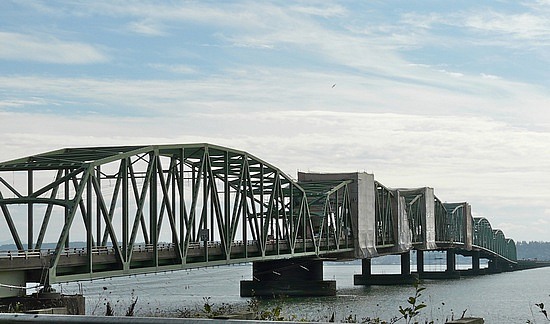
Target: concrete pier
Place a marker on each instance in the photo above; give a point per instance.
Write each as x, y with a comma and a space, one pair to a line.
289, 277
367, 278
450, 272
476, 269
475, 261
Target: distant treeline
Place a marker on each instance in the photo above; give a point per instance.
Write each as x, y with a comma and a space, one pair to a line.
533, 250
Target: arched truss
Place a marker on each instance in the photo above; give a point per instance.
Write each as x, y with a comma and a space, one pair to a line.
493, 239
510, 249
163, 207
499, 241
483, 233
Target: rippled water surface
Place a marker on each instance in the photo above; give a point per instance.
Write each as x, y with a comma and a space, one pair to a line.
499, 298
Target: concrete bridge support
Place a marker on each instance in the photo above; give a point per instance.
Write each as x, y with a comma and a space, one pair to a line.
476, 269
494, 266
11, 281
497, 266
475, 262
450, 272
288, 277
420, 262
367, 278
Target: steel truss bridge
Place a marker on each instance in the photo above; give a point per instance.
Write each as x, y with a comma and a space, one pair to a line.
136, 209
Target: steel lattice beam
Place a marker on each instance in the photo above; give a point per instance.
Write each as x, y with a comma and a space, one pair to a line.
149, 208
206, 204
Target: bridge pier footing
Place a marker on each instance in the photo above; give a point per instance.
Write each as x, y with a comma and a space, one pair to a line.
434, 275
472, 272
367, 278
292, 277
476, 269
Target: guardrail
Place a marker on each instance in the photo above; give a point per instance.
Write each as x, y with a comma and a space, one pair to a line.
105, 250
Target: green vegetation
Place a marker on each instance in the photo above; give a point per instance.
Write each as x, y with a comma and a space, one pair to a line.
415, 306
109, 309
255, 309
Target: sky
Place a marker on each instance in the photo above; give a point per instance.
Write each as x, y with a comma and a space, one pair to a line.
452, 95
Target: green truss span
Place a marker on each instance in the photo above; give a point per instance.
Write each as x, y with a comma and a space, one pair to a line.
134, 209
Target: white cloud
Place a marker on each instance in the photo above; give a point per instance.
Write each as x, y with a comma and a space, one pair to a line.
7, 103
325, 12
146, 28
228, 14
522, 26
487, 163
47, 49
453, 74
489, 76
472, 134
504, 28
252, 89
174, 68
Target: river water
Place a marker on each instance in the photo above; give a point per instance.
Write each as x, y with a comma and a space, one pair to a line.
498, 298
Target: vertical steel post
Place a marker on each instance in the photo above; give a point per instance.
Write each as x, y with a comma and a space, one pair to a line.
153, 207
204, 215
172, 175
30, 216
192, 213
88, 219
291, 226
98, 208
228, 232
125, 210
241, 190
181, 193
67, 198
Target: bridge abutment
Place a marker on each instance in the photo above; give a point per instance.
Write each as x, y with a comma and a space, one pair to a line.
288, 277
45, 303
11, 283
367, 278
